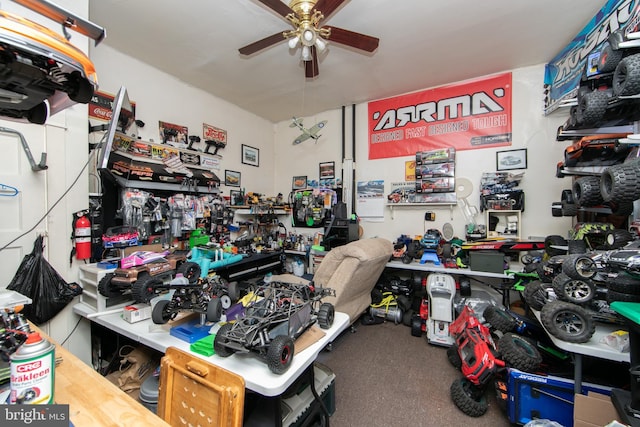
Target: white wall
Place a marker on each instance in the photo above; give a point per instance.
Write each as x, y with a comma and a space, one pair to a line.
531, 130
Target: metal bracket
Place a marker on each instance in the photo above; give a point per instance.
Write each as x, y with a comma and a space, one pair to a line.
43, 158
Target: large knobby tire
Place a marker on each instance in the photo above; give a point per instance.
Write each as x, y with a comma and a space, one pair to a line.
591, 107
567, 322
79, 88
105, 288
586, 191
624, 284
519, 353
214, 310
469, 398
144, 288
326, 314
233, 289
221, 338
568, 209
499, 318
190, 270
280, 354
536, 295
626, 78
579, 266
554, 240
578, 246
542, 272
160, 315
617, 238
619, 183
609, 58
453, 356
577, 291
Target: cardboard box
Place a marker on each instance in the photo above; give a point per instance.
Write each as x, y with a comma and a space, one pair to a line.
136, 312
593, 410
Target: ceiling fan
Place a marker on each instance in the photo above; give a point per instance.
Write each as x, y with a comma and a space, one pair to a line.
306, 17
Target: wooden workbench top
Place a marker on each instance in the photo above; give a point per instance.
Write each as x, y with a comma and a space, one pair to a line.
94, 400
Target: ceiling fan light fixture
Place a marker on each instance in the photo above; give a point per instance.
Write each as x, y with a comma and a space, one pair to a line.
320, 44
293, 42
306, 53
308, 36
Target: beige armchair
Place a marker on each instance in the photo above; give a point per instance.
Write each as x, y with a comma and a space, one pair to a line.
352, 270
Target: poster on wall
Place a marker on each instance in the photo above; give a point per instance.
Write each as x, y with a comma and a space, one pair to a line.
468, 115
370, 200
101, 108
563, 73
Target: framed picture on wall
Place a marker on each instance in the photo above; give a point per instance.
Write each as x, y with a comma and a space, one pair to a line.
232, 178
250, 155
511, 159
299, 182
235, 198
327, 170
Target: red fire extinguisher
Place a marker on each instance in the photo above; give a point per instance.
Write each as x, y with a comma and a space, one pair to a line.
82, 236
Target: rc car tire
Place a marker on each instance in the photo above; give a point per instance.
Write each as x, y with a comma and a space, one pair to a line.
586, 191
618, 183
416, 325
160, 315
499, 318
220, 339
190, 270
554, 240
469, 398
519, 353
326, 314
280, 354
535, 295
609, 58
80, 89
592, 107
453, 356
543, 275
234, 291
617, 238
579, 266
626, 77
214, 310
38, 115
568, 209
577, 291
624, 284
143, 289
622, 297
567, 322
105, 288
577, 246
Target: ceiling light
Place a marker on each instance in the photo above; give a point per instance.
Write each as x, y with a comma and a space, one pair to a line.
293, 42
306, 53
308, 37
320, 44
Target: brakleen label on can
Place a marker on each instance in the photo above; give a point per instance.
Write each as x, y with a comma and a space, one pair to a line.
32, 372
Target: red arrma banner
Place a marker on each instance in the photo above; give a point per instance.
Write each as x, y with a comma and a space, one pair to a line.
466, 116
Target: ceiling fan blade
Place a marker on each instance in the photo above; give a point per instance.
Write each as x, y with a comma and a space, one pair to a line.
311, 67
327, 7
262, 44
350, 38
278, 7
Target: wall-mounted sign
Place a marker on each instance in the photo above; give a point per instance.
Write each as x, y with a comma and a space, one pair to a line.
465, 116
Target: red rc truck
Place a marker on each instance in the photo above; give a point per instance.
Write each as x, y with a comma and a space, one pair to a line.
477, 356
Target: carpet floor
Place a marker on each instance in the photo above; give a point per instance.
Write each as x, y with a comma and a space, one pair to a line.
387, 377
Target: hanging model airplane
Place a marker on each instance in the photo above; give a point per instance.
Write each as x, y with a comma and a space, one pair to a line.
306, 133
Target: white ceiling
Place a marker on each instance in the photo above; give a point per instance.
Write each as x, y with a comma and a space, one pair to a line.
423, 43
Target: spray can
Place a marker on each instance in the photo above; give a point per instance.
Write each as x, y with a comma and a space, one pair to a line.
393, 313
32, 372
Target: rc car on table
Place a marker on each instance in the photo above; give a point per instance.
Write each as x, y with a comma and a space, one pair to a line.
143, 280
280, 313
209, 296
42, 72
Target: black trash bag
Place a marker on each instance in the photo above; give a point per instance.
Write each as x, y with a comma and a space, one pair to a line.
38, 280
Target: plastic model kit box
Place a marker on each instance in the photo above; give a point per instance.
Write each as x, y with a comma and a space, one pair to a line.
136, 312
